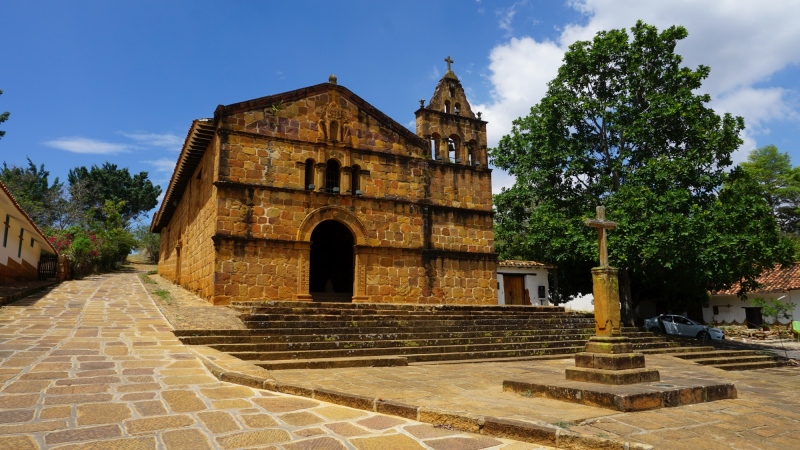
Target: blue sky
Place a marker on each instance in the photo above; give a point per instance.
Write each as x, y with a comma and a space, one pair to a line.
93, 81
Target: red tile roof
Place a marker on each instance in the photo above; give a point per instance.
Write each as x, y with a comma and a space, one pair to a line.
780, 279
524, 264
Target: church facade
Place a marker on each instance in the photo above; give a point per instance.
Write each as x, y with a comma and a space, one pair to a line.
315, 195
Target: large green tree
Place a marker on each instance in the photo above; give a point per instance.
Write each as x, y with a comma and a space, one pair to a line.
91, 188
622, 125
3, 118
781, 183
30, 186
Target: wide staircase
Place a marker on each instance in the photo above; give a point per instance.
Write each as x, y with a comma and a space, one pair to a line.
728, 355
294, 335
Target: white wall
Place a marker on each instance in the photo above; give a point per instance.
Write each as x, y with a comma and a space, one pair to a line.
580, 303
533, 279
735, 312
11, 249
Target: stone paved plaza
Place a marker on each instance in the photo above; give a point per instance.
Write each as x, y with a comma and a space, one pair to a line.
92, 364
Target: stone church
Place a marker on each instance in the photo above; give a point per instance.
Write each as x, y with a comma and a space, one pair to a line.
316, 195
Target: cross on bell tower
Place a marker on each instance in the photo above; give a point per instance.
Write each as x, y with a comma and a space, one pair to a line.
449, 61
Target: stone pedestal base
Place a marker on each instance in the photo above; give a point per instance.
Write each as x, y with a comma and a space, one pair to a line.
616, 376
303, 298
609, 360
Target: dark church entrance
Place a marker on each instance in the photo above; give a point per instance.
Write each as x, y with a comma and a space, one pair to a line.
332, 263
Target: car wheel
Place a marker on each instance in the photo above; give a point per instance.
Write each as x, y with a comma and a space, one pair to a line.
703, 335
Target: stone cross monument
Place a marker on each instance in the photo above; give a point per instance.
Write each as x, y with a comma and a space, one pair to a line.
605, 282
608, 358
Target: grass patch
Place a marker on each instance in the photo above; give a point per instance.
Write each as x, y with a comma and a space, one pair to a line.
146, 279
164, 295
564, 425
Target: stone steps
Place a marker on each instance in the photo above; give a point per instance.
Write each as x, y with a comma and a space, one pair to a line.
417, 323
736, 359
295, 335
416, 359
278, 306
752, 365
331, 331
208, 337
409, 339
673, 348
719, 354
404, 350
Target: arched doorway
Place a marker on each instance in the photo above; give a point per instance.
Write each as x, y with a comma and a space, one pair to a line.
332, 263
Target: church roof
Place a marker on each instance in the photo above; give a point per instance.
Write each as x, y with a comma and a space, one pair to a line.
27, 223
194, 147
780, 279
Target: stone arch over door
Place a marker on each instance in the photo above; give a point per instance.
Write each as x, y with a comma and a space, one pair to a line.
359, 231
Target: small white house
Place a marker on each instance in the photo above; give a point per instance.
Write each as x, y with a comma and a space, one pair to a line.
21, 242
522, 283
726, 308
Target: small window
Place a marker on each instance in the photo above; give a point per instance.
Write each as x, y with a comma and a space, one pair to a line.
355, 183
309, 175
7, 225
716, 310
447, 106
31, 242
332, 176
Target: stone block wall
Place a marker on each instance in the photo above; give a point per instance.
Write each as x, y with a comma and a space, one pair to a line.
412, 277
255, 269
190, 233
324, 117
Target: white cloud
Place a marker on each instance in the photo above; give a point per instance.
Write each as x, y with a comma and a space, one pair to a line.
744, 42
166, 165
166, 140
87, 146
505, 17
435, 74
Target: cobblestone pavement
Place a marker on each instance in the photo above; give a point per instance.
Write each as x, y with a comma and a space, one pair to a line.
186, 311
766, 414
92, 364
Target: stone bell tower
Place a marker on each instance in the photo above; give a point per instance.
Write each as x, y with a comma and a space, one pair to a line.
455, 133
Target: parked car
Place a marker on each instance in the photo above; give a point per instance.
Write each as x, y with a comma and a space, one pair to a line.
682, 326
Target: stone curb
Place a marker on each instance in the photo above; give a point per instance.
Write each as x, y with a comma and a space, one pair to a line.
536, 433
4, 300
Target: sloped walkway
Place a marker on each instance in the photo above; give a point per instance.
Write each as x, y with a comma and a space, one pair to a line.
93, 364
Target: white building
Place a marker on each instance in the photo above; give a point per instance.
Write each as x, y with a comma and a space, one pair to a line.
522, 283
726, 308
22, 242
